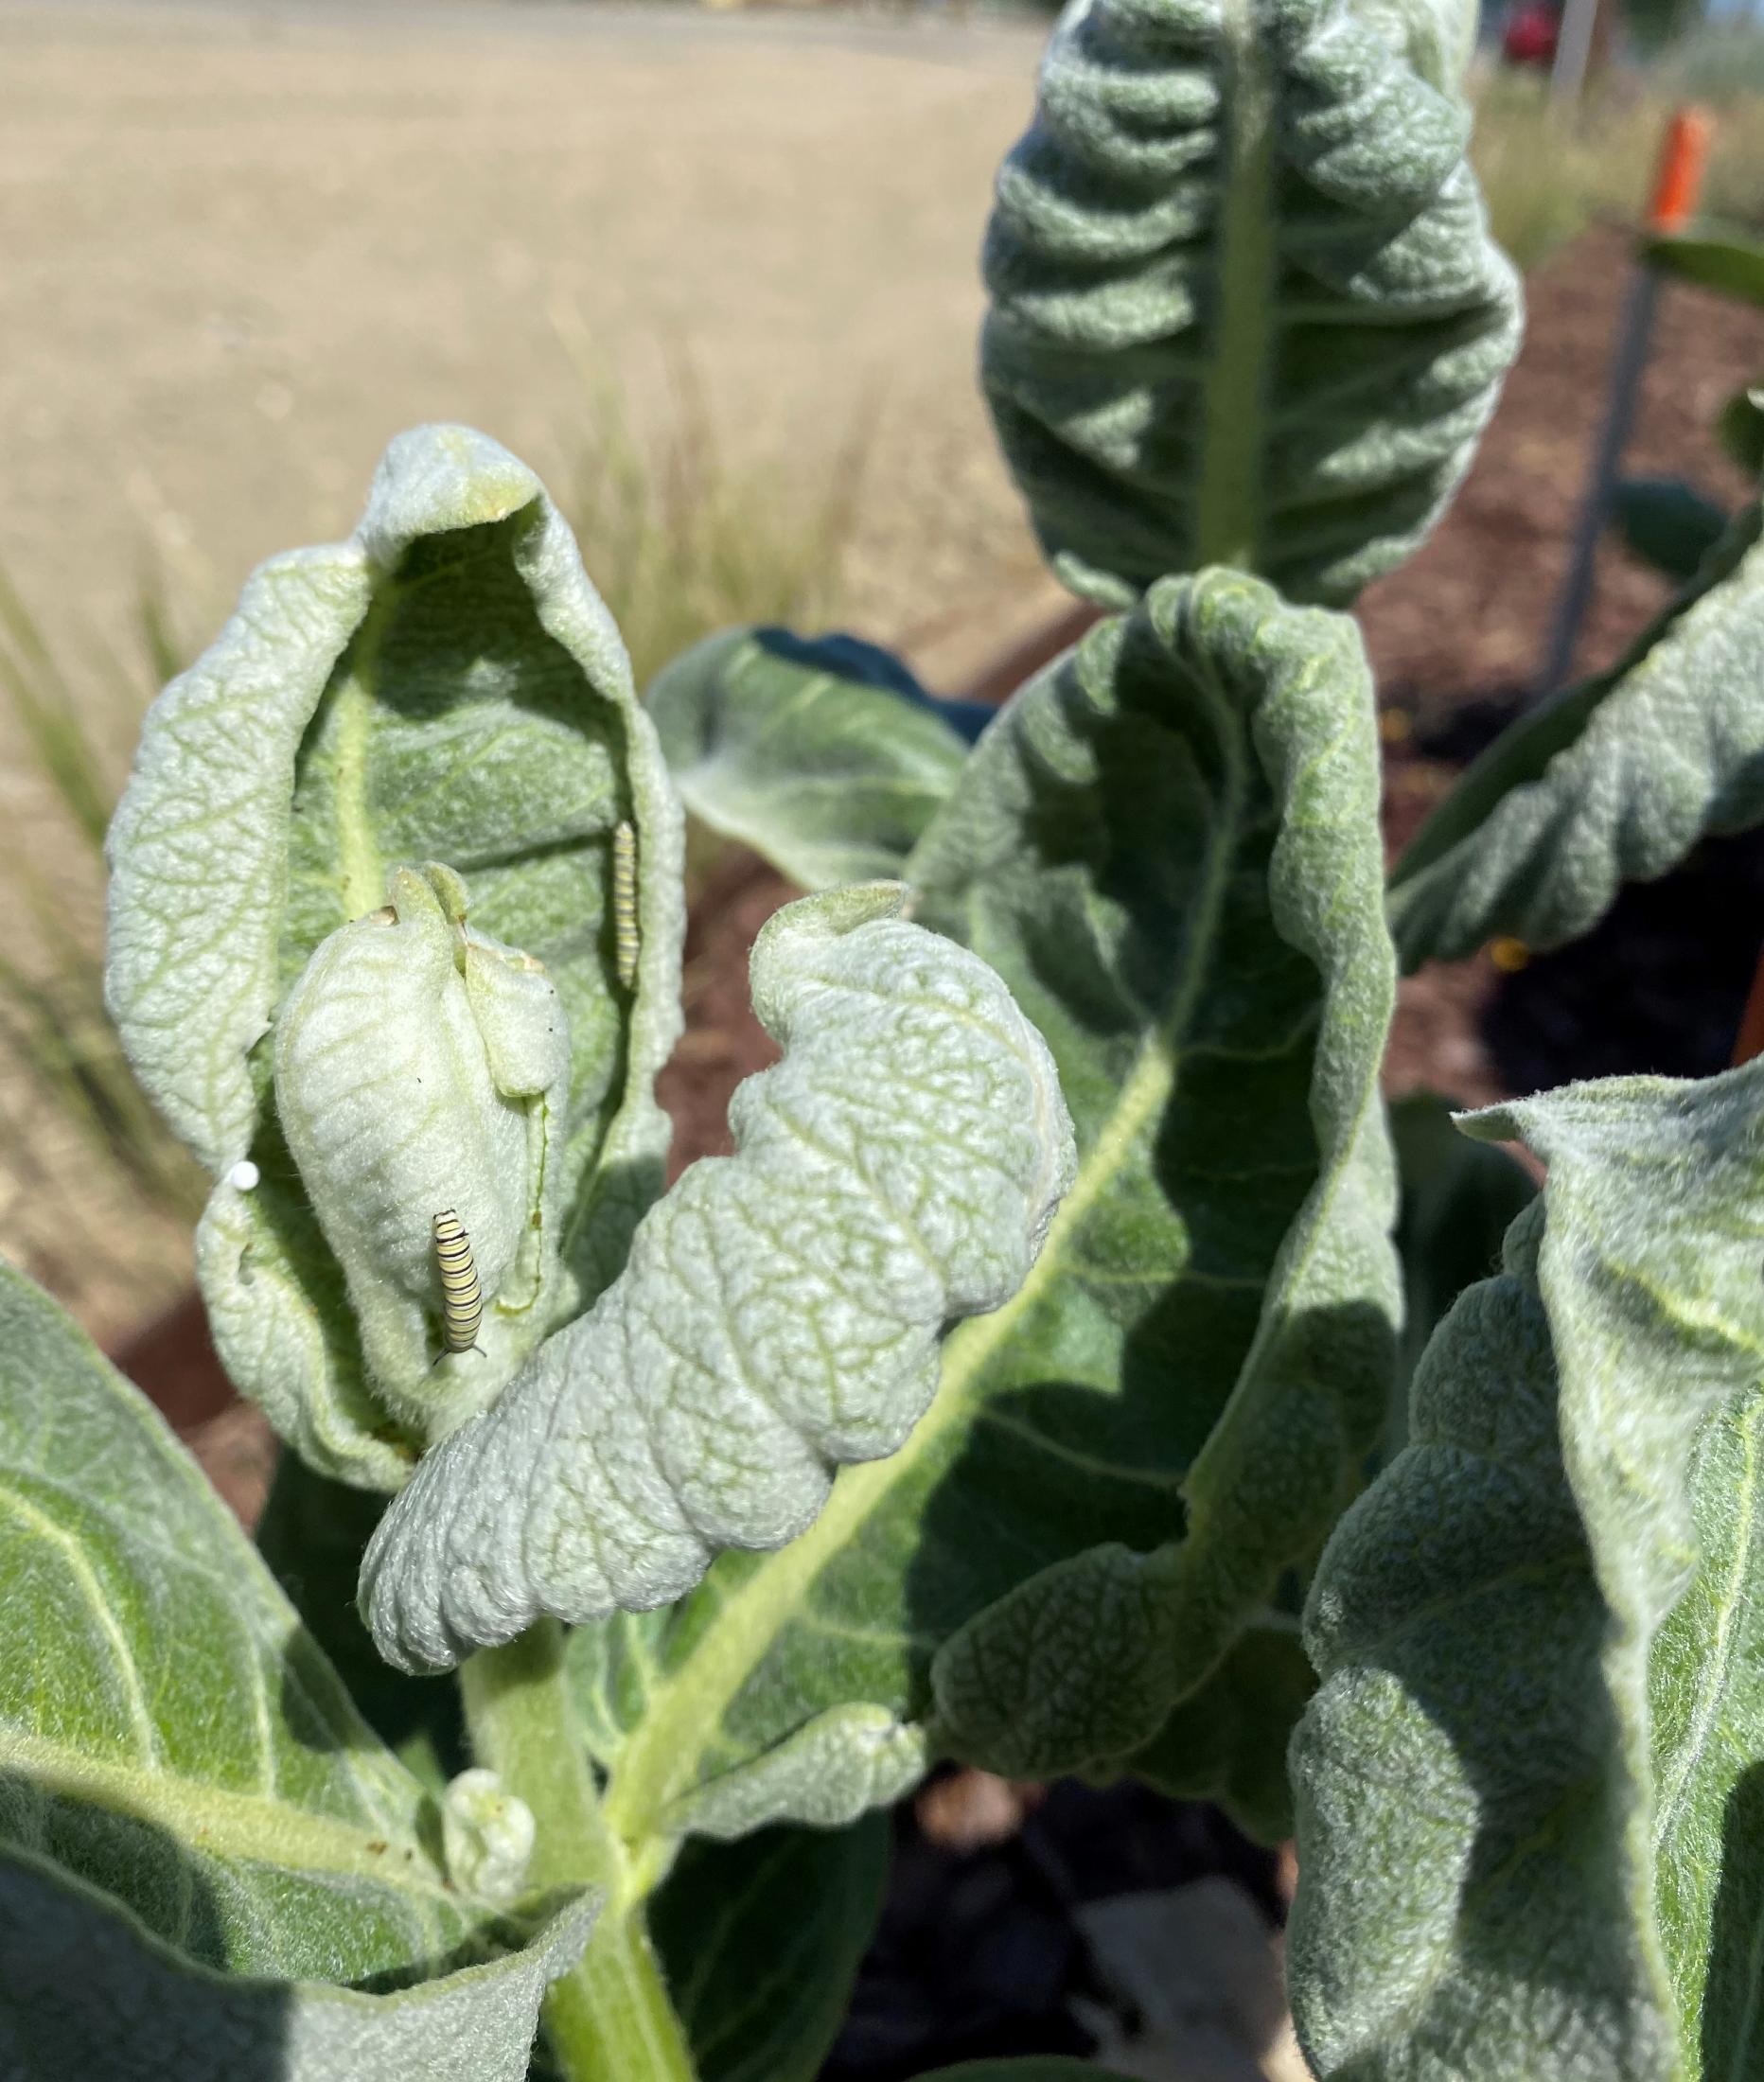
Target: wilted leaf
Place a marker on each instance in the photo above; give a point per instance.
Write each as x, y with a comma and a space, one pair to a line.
1245, 308
1610, 781
1529, 1829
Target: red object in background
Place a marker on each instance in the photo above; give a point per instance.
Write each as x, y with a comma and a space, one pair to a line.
1531, 33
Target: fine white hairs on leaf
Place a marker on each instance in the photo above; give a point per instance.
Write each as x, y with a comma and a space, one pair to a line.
781, 1311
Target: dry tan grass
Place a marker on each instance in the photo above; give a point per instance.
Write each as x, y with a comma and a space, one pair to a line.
245, 246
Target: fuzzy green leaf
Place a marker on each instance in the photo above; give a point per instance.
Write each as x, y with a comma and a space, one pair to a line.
1734, 266
1283, 1015
1245, 308
445, 687
781, 1310
1460, 1197
1611, 781
85, 1991
815, 754
185, 1790
1667, 524
1168, 844
761, 1941
1529, 1820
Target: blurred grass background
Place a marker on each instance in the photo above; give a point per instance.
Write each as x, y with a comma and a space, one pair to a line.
862, 485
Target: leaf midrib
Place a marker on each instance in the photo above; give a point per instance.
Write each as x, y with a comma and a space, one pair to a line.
1228, 498
359, 863
218, 1822
686, 1708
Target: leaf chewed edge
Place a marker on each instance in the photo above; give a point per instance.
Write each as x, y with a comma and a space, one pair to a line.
1531, 1789
1168, 846
1613, 782
445, 687
185, 1791
781, 1310
1246, 307
825, 756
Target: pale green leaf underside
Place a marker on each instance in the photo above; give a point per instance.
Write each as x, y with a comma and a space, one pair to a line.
1245, 308
447, 686
779, 1312
85, 1992
1613, 782
829, 776
167, 1732
1529, 1823
1108, 850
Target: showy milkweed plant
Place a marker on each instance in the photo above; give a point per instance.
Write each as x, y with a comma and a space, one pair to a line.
1039, 1384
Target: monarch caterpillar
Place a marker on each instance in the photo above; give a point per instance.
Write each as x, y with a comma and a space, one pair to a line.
462, 1298
685, 1414
624, 940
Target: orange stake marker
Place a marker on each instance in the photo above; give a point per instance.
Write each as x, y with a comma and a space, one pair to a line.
1678, 177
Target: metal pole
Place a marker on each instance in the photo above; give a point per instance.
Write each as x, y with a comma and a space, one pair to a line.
1677, 179
1574, 46
1613, 436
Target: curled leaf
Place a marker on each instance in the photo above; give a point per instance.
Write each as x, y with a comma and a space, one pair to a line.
1528, 1822
446, 687
421, 1068
781, 1311
1614, 780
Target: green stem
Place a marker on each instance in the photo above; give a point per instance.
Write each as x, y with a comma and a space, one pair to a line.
608, 2019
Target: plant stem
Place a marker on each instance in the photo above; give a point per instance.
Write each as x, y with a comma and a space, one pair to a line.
608, 2019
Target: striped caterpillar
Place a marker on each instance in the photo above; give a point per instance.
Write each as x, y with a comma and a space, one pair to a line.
781, 1311
625, 945
461, 1298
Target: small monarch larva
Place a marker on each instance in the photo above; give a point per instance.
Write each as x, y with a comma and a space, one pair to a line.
624, 940
462, 1298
